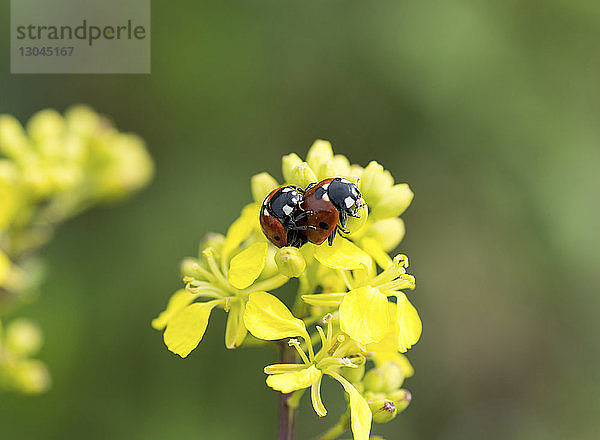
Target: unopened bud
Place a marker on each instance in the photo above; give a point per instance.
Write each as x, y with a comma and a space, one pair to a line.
290, 261
393, 376
336, 167
375, 182
353, 374
383, 410
23, 337
32, 377
302, 175
262, 184
212, 240
189, 267
394, 202
319, 153
13, 140
288, 163
374, 380
401, 399
388, 232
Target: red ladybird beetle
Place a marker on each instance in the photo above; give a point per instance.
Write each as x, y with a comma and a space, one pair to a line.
327, 202
279, 216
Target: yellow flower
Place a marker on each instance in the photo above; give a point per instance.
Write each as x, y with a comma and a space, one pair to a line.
225, 285
365, 313
268, 318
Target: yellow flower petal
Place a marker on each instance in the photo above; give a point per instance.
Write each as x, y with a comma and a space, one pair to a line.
177, 302
296, 380
364, 315
186, 329
241, 228
246, 266
409, 323
375, 250
388, 232
268, 318
360, 414
235, 332
342, 255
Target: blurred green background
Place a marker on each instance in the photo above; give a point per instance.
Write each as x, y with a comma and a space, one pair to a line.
489, 110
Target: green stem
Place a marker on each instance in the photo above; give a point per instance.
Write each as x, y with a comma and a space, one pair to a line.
287, 408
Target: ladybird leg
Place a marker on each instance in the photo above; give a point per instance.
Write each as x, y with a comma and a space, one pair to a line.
343, 218
310, 185
332, 236
302, 215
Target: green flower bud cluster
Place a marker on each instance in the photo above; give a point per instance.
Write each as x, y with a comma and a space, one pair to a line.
52, 168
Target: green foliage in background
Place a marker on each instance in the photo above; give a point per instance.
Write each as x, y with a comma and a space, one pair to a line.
489, 109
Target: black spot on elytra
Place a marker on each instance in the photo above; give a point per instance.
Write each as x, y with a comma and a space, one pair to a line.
277, 237
323, 225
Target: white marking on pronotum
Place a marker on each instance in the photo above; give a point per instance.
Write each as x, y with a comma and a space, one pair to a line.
287, 189
325, 197
266, 213
349, 201
325, 186
345, 180
287, 209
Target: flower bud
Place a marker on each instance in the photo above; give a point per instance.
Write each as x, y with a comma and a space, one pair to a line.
374, 380
288, 163
13, 140
394, 202
262, 184
290, 261
23, 337
189, 268
302, 175
356, 223
375, 182
401, 399
336, 167
32, 377
383, 410
212, 240
45, 125
388, 232
353, 374
319, 153
393, 376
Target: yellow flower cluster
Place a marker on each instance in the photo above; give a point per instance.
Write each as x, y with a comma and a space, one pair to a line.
52, 168
353, 288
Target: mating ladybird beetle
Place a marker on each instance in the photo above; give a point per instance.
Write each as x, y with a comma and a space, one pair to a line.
279, 216
327, 202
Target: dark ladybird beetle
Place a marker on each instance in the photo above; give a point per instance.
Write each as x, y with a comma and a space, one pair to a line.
279, 216
326, 203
